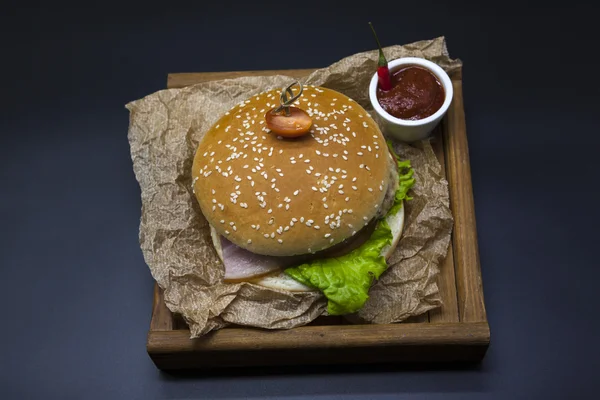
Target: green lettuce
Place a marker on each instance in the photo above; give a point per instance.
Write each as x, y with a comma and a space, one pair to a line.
346, 280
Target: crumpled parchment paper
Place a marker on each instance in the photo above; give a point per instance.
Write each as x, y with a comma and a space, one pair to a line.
164, 131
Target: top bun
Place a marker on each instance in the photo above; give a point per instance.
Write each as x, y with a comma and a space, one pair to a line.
284, 197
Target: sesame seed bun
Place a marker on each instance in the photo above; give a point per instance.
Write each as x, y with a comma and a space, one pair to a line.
284, 197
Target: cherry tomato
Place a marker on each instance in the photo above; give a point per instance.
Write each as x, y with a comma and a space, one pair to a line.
298, 123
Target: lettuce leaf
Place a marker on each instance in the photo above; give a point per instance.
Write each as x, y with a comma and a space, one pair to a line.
346, 280
406, 181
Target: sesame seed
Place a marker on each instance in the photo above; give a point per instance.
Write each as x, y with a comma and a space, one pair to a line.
314, 188
269, 211
317, 227
354, 188
266, 235
370, 189
347, 198
340, 191
280, 241
249, 241
361, 166
253, 226
272, 235
325, 205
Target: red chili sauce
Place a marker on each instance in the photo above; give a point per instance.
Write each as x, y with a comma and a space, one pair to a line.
416, 93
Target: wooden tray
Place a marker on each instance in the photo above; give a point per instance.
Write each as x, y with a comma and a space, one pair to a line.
456, 332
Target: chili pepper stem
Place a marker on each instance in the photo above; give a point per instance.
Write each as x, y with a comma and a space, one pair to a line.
382, 60
383, 72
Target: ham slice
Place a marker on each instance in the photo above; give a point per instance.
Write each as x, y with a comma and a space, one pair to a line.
241, 264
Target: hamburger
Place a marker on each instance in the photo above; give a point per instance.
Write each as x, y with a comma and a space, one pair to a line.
319, 211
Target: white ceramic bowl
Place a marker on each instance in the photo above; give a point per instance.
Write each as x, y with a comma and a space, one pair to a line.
409, 130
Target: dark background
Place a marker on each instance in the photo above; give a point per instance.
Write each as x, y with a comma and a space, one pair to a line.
76, 293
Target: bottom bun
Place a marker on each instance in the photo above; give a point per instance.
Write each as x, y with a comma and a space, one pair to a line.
280, 280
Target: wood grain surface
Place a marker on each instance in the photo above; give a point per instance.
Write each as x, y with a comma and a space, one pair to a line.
190, 78
447, 342
466, 254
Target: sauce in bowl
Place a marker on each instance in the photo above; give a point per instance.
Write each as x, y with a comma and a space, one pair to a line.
416, 94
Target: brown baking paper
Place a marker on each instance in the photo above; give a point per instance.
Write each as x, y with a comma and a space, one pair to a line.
164, 131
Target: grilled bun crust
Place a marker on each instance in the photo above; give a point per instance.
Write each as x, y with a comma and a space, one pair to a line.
282, 197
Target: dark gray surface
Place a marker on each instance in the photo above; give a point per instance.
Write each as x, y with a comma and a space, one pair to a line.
76, 294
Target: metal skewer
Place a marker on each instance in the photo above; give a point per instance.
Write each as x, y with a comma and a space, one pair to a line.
287, 102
